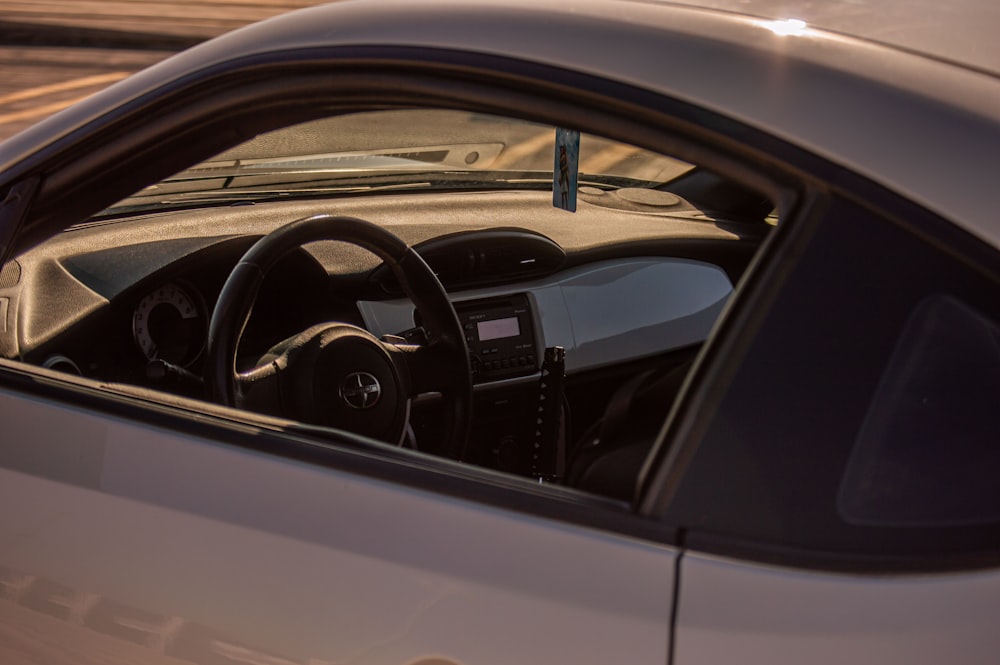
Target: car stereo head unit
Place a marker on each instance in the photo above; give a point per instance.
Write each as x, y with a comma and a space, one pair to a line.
500, 333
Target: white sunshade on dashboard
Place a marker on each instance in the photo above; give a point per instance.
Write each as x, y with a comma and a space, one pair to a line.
603, 313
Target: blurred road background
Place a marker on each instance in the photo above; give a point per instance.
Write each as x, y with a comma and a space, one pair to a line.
56, 52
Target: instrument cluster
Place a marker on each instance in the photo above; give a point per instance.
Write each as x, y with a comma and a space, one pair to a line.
170, 323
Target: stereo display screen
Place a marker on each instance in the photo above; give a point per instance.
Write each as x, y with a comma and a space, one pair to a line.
498, 329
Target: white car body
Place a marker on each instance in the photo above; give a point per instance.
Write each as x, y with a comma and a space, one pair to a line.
131, 541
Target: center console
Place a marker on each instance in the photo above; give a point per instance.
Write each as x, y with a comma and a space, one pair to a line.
515, 428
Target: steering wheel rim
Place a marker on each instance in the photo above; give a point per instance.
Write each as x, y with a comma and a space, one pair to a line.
446, 349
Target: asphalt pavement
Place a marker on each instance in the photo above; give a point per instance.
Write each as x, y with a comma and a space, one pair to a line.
135, 20
56, 52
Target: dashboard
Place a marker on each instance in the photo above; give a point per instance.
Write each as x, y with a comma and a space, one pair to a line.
592, 296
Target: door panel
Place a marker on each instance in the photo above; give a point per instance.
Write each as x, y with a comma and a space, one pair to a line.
125, 543
753, 614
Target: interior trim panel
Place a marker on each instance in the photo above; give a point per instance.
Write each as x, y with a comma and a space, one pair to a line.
602, 313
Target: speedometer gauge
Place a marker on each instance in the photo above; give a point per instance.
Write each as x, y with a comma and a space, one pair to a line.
168, 324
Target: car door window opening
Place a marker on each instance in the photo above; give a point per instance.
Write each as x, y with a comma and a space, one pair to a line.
553, 312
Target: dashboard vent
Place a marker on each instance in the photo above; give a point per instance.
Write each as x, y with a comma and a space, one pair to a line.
10, 275
476, 258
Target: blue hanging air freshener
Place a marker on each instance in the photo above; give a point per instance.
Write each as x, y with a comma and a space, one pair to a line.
565, 169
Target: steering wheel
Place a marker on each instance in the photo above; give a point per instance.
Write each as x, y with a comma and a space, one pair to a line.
336, 374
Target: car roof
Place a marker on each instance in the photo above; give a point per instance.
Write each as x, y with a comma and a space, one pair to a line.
923, 127
959, 31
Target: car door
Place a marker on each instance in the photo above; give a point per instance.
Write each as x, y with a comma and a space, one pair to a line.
128, 539
138, 530
841, 503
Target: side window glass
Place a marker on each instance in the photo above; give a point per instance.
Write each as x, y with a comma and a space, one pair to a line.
861, 422
928, 452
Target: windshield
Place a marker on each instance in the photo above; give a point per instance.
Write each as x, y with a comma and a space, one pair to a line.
391, 149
